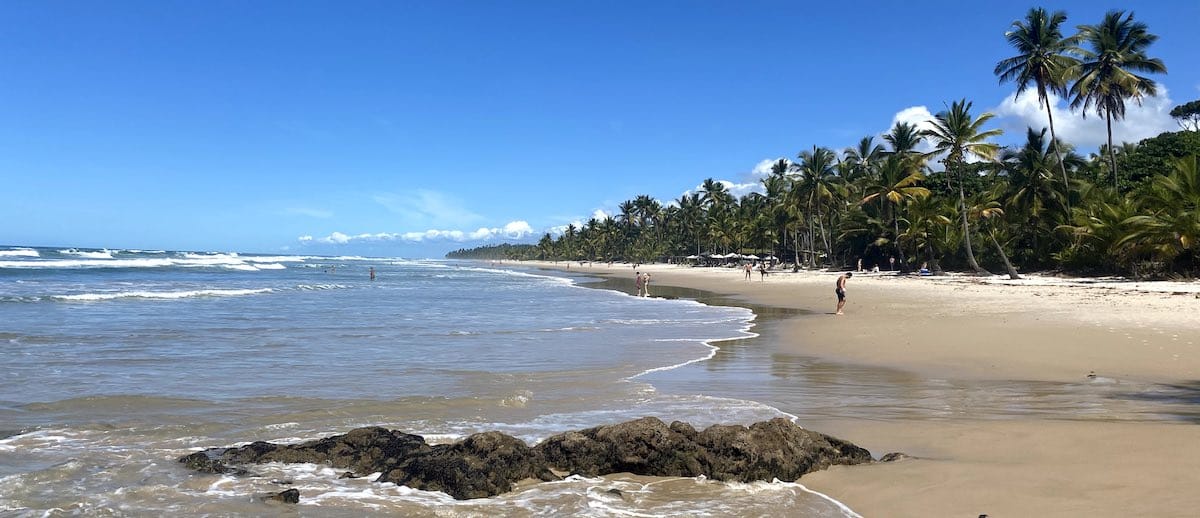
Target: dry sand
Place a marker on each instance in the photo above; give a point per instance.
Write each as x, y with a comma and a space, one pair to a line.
968, 328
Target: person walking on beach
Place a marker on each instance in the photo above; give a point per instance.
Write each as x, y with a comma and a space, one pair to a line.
748, 268
841, 291
639, 282
762, 271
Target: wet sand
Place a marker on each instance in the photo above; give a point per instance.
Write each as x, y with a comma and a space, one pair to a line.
980, 333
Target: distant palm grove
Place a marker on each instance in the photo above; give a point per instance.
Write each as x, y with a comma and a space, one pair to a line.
969, 204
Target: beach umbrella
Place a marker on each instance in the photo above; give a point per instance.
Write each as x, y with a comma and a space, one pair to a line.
751, 256
693, 257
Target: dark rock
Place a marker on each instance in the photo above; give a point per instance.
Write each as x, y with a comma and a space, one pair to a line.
291, 496
207, 462
349, 474
774, 449
894, 456
362, 450
491, 463
764, 451
646, 446
481, 465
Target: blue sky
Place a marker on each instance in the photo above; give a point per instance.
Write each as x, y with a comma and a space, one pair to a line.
413, 128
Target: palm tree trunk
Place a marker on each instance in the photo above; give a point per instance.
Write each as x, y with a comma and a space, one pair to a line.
796, 251
1112, 157
962, 206
824, 239
934, 264
899, 250
1012, 272
1058, 153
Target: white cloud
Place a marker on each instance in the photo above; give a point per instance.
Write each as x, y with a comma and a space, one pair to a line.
918, 116
601, 215
423, 207
736, 189
763, 169
1140, 122
559, 230
512, 230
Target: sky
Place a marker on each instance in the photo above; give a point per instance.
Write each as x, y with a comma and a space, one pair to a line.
409, 129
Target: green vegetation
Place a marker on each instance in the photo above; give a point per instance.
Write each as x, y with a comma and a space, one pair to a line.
496, 252
968, 204
1187, 115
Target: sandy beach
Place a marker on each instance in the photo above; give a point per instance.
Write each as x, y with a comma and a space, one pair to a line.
985, 330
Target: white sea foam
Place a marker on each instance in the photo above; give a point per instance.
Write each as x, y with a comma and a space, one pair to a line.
270, 266
20, 252
98, 254
276, 259
89, 297
186, 261
319, 287
846, 511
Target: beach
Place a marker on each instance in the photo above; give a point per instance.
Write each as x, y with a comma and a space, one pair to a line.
1115, 436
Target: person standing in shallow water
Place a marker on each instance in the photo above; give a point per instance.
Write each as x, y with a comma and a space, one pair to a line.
646, 285
639, 282
841, 291
372, 273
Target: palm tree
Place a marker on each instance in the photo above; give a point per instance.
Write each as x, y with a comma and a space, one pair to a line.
897, 184
1106, 78
957, 134
817, 174
1032, 191
986, 208
862, 158
1173, 225
691, 216
904, 138
1042, 59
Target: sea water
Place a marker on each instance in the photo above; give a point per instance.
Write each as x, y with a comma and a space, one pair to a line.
113, 363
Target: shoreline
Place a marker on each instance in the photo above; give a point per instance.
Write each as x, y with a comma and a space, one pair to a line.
975, 331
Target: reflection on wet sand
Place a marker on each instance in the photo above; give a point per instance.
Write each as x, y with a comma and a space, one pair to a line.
814, 389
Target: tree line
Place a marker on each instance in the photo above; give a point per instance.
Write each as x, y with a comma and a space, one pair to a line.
948, 196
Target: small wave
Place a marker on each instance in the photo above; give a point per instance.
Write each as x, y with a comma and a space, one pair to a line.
98, 254
196, 261
20, 252
320, 287
90, 297
275, 259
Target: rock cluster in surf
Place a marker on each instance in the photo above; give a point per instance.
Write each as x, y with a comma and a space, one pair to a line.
490, 463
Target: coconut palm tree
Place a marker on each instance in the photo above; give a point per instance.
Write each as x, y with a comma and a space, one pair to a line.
816, 186
926, 219
1173, 225
1043, 60
897, 184
1033, 193
958, 135
862, 158
904, 138
986, 209
1106, 75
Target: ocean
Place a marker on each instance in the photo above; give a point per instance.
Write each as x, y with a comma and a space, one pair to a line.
116, 362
